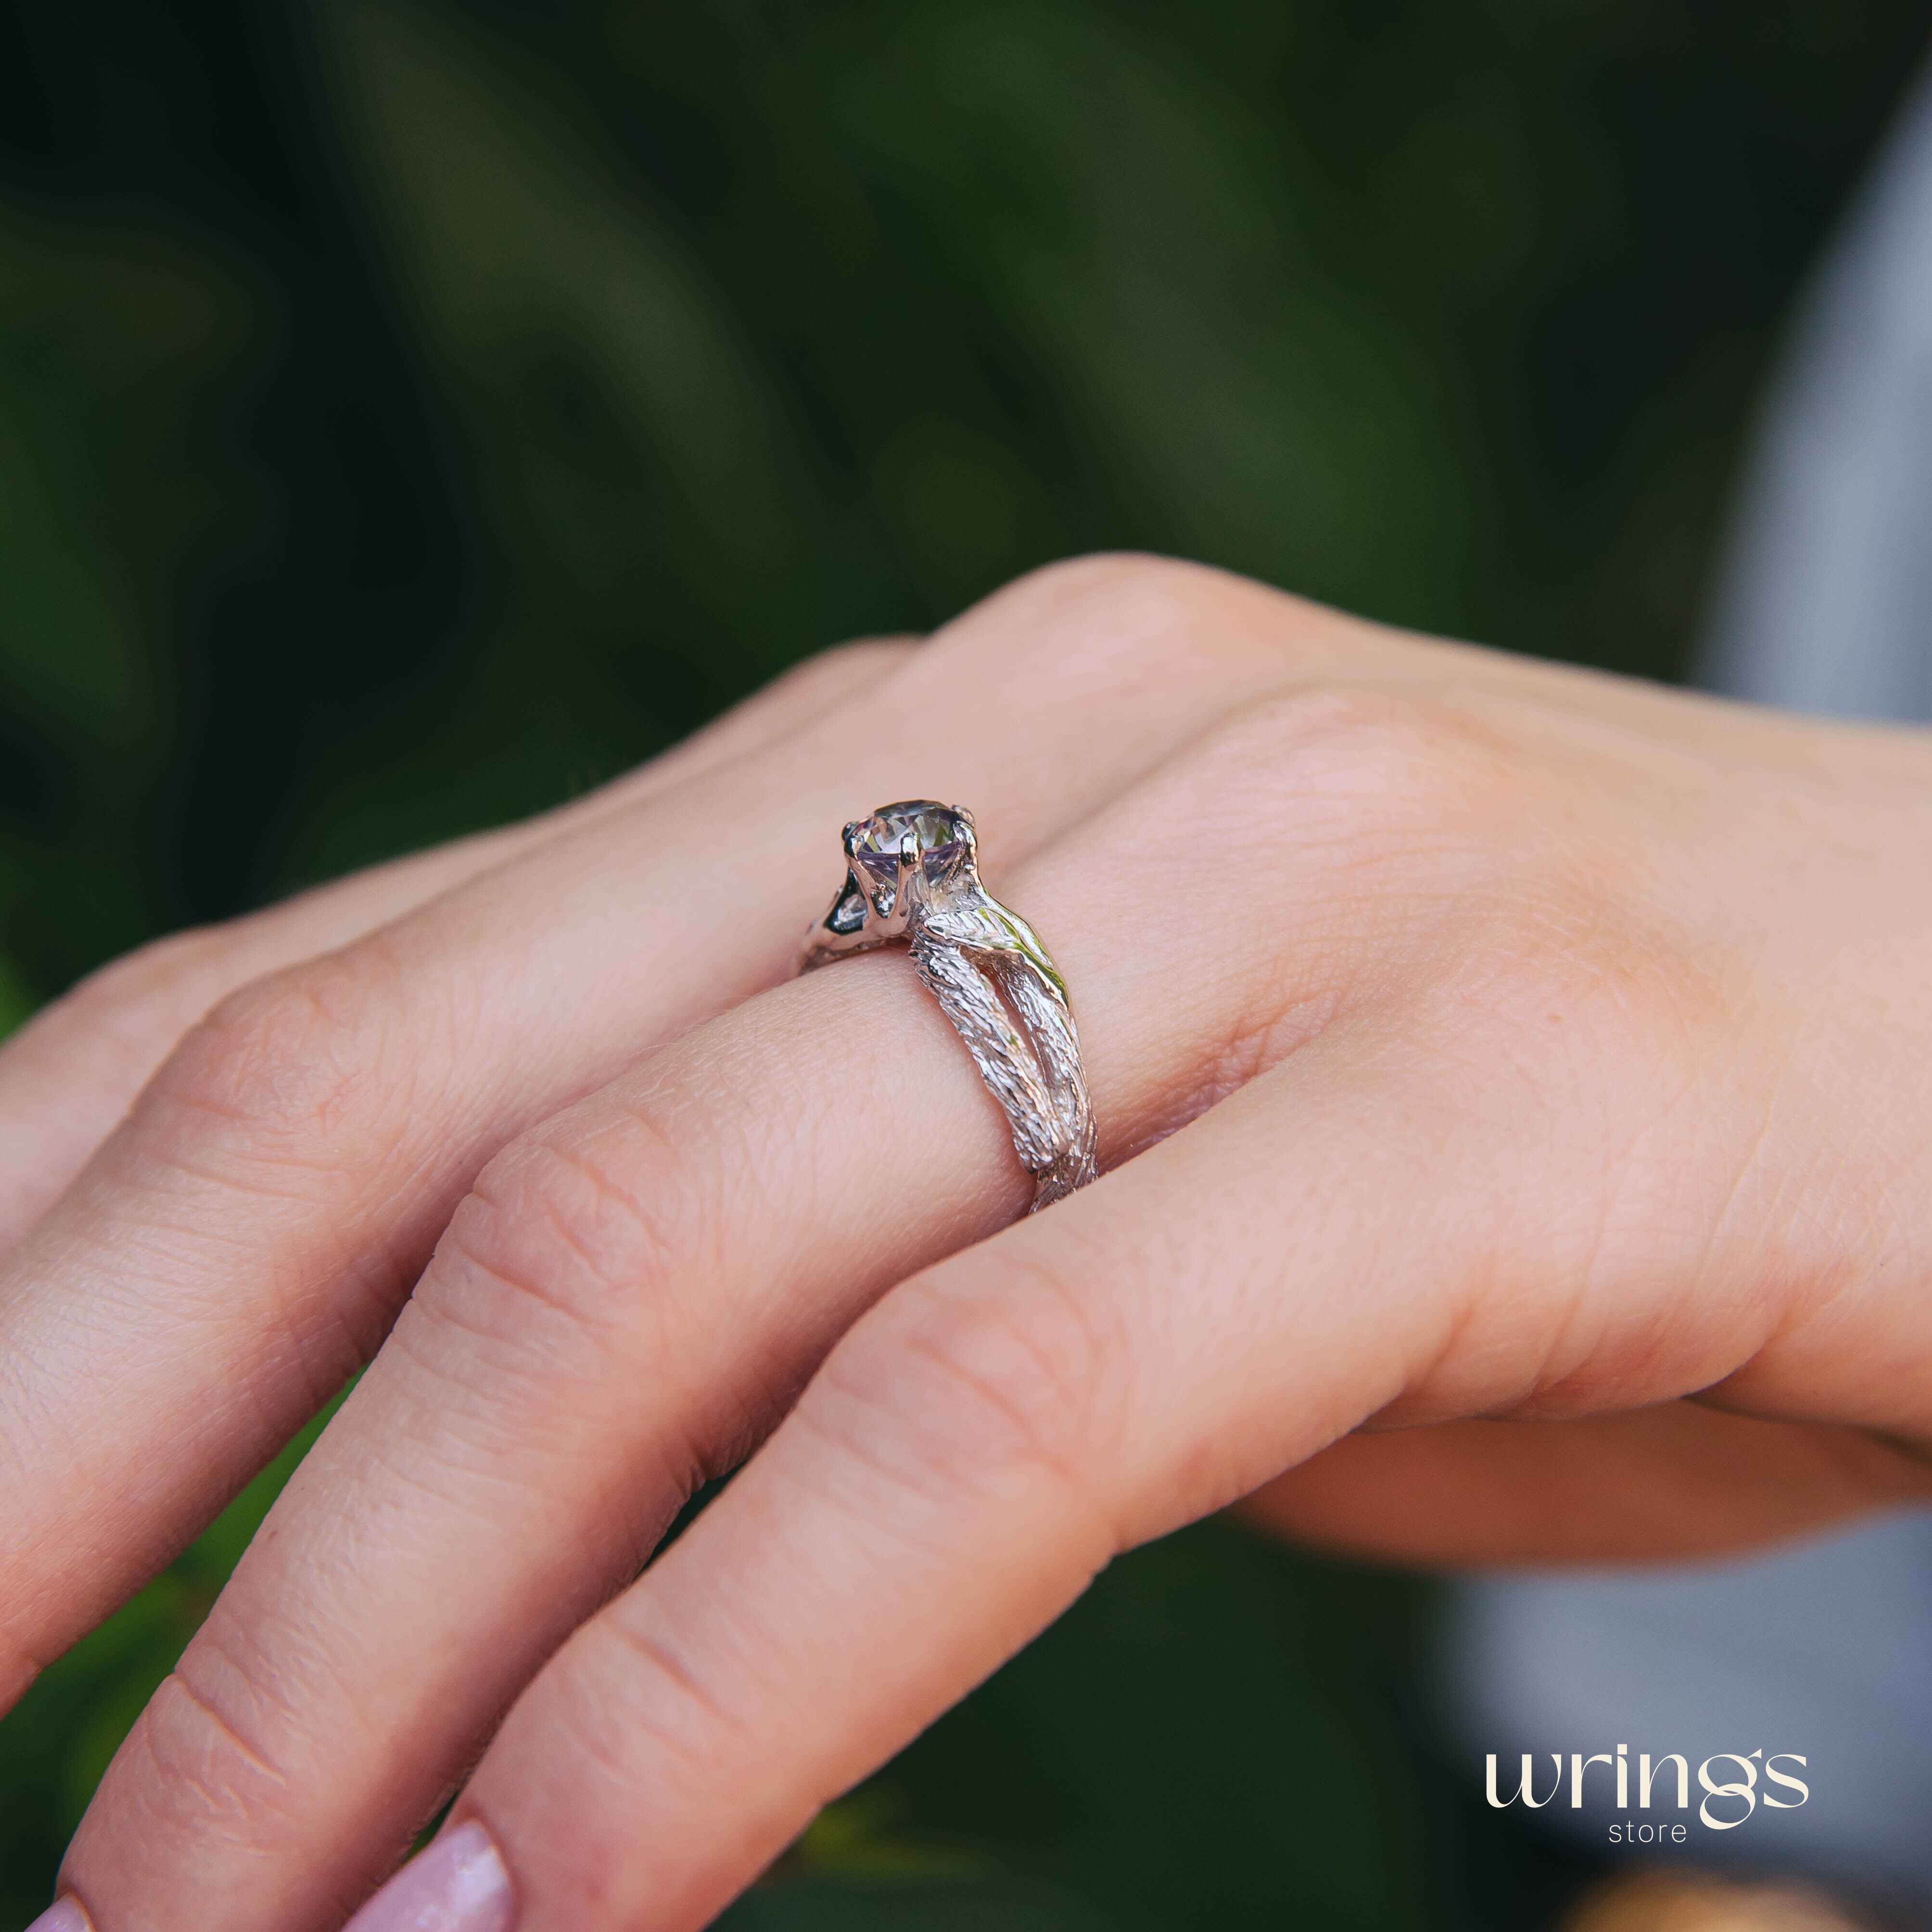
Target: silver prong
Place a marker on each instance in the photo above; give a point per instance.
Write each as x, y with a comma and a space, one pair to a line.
994, 980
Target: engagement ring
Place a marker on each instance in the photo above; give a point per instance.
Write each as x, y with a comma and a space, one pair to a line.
912, 876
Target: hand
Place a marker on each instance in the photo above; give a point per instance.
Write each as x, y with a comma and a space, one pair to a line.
1511, 1079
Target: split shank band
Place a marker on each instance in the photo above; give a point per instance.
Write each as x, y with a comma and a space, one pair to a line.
912, 878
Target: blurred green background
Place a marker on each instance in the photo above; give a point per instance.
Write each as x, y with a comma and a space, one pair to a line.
413, 414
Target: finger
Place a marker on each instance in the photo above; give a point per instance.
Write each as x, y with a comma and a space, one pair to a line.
240, 1244
993, 1432
625, 1302
1679, 1480
71, 1073
966, 1460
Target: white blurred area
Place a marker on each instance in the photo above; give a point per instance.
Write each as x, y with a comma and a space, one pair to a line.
1824, 1649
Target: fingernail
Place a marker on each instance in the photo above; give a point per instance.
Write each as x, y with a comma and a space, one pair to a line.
65, 1915
459, 1885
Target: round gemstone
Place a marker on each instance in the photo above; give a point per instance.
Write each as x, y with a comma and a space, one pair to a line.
939, 837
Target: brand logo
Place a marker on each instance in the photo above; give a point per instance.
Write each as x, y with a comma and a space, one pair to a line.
1733, 1784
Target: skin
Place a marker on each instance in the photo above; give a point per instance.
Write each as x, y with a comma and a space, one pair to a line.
1515, 1149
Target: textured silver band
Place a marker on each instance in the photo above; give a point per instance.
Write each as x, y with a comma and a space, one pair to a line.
912, 878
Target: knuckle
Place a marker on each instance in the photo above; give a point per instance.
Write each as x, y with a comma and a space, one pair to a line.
1361, 798
1377, 752
1442, 851
1381, 845
838, 663
625, 1708
1104, 583
855, 664
572, 1240
1116, 622
684, 1709
158, 987
285, 1059
193, 1767
948, 1391
1381, 806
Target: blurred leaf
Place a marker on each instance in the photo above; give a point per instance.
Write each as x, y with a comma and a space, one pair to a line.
105, 333
991, 1905
63, 643
858, 1837
120, 350
1138, 231
640, 422
1211, 1692
17, 1002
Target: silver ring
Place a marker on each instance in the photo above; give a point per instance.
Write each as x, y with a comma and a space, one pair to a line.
912, 876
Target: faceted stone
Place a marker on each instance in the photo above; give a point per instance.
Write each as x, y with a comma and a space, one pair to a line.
939, 837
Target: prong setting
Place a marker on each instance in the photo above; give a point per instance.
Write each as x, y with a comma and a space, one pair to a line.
912, 876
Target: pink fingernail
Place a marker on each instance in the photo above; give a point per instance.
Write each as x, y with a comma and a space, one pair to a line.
65, 1915
459, 1885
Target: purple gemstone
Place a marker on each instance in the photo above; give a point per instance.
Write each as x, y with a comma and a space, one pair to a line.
939, 837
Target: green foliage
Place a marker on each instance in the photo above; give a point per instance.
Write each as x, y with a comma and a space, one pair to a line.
1210, 1737
430, 408
16, 1002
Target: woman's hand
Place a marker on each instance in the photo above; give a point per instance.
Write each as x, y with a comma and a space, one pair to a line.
1522, 1062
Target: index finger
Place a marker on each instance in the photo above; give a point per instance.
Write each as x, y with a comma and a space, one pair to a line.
70, 1073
